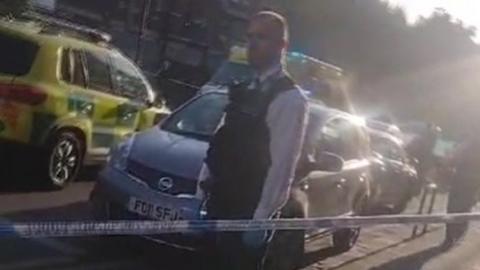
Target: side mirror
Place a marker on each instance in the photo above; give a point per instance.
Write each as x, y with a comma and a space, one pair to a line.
160, 116
329, 162
149, 103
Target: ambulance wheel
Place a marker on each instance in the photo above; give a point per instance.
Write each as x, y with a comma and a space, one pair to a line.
64, 157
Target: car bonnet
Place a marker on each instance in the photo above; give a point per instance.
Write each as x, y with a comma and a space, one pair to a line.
169, 153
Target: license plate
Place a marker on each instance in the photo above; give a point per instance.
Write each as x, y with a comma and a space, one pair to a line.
154, 211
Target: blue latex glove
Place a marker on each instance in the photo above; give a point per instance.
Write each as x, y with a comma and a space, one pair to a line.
254, 239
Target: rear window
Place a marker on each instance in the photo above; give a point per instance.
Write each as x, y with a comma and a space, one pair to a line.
17, 55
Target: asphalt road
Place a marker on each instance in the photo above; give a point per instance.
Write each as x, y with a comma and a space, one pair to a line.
23, 204
378, 247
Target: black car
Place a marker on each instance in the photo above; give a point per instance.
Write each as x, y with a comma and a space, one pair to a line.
394, 178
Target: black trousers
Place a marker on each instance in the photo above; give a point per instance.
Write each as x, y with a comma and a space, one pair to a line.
461, 199
232, 254
228, 250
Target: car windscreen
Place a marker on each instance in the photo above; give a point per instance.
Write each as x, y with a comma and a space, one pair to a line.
200, 118
17, 55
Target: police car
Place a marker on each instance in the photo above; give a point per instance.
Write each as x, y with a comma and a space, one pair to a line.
67, 93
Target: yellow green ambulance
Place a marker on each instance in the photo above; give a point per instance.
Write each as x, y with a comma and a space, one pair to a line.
69, 94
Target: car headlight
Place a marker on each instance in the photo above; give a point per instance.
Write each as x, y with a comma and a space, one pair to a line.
119, 154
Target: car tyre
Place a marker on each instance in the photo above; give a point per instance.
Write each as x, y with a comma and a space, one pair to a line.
63, 160
344, 239
403, 202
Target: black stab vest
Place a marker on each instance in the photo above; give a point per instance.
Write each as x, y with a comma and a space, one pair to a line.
239, 154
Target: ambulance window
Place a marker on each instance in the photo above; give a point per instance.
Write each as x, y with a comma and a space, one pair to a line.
127, 80
72, 69
98, 72
66, 66
17, 55
78, 69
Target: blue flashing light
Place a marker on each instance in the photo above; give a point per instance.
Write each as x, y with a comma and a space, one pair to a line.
296, 54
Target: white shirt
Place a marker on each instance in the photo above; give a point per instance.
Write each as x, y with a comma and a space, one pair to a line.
287, 119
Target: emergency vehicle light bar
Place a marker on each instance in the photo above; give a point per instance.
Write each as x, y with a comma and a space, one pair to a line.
53, 25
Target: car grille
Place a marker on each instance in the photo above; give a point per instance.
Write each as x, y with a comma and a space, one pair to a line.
152, 177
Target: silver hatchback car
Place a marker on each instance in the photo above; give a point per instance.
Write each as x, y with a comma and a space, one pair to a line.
155, 174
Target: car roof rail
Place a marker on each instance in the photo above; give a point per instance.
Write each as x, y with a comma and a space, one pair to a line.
52, 25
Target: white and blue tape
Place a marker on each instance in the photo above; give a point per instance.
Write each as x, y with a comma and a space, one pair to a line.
99, 228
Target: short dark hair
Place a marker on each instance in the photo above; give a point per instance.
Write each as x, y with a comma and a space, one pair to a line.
277, 20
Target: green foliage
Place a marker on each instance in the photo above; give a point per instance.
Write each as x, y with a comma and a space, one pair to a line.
364, 36
423, 71
13, 7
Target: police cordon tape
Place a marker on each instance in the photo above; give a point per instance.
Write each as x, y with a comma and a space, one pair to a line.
103, 228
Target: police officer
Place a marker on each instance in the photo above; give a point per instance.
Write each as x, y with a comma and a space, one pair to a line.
422, 149
253, 155
464, 187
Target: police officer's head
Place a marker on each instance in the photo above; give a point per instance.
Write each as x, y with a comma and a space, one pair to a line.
267, 39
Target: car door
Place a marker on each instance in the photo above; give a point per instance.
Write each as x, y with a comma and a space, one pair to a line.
399, 172
357, 167
93, 96
84, 101
100, 88
333, 193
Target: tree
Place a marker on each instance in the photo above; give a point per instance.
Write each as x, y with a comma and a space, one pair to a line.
372, 39
13, 7
422, 71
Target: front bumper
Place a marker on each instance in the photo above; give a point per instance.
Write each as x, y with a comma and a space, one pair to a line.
110, 199
116, 188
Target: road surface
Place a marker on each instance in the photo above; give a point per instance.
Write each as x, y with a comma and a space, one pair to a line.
378, 247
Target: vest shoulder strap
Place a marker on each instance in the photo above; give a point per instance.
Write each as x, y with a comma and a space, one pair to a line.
282, 84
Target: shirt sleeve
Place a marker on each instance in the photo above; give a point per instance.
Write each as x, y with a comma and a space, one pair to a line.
287, 119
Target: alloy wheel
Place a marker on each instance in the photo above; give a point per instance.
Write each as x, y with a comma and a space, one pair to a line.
63, 161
